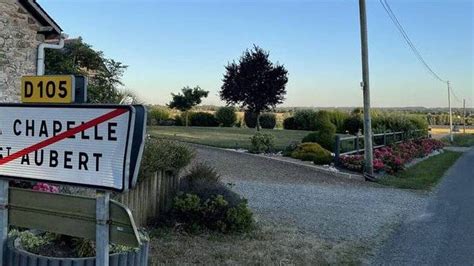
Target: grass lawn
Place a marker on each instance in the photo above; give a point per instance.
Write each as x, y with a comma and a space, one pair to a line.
425, 174
224, 137
460, 140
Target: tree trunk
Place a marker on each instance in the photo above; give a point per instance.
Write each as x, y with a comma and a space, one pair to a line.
258, 122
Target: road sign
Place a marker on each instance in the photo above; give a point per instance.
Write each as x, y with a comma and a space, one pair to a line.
81, 83
69, 215
138, 142
48, 89
86, 145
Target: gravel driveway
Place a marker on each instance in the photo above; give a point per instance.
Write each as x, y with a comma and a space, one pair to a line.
334, 209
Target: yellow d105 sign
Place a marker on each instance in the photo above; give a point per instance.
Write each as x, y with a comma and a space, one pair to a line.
47, 89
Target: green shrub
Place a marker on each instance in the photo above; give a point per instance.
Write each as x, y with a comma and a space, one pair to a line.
311, 137
202, 171
289, 123
325, 136
204, 181
262, 143
268, 120
189, 204
322, 120
203, 119
305, 119
290, 148
419, 122
159, 114
353, 124
310, 151
180, 120
239, 218
29, 241
338, 118
398, 122
226, 116
214, 213
164, 155
57, 245
250, 119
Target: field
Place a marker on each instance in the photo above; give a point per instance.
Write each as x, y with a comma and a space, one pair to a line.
224, 137
440, 132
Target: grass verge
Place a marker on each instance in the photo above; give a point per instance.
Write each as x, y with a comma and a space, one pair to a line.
460, 140
423, 175
266, 245
225, 137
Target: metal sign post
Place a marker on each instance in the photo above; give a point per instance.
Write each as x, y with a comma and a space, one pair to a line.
3, 219
102, 228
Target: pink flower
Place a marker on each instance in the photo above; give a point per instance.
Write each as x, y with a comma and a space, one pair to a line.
40, 186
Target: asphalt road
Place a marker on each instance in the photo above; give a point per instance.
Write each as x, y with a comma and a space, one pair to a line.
334, 209
443, 232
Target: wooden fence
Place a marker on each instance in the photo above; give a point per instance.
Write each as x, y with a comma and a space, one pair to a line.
151, 196
355, 144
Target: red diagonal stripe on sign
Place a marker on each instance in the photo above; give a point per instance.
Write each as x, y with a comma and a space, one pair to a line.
65, 134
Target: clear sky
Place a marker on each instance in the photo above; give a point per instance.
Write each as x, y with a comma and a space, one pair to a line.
171, 44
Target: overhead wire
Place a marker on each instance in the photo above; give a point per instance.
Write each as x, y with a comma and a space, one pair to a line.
405, 36
413, 48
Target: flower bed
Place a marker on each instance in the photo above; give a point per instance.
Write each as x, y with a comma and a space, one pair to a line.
391, 159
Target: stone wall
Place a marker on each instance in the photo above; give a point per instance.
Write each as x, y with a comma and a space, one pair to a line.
18, 48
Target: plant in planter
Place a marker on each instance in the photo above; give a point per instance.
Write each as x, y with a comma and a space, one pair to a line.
54, 249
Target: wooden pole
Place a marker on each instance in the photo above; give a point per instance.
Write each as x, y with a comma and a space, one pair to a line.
464, 116
450, 114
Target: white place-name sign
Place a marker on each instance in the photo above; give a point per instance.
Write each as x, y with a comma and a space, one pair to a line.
86, 145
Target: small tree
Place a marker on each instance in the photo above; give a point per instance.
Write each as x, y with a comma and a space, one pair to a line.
254, 82
79, 58
187, 100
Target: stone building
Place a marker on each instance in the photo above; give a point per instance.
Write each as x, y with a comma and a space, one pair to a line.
23, 26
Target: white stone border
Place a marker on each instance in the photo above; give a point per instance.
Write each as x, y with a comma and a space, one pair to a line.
321, 169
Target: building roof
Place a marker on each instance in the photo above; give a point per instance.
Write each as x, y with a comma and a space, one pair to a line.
50, 27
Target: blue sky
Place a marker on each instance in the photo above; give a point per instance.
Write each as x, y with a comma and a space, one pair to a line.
171, 44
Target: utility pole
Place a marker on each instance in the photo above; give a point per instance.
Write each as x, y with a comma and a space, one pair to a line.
464, 116
450, 114
368, 152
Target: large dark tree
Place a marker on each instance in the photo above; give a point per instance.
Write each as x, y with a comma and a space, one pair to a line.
187, 99
78, 58
254, 83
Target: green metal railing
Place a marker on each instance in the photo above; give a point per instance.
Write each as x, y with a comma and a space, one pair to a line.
346, 145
